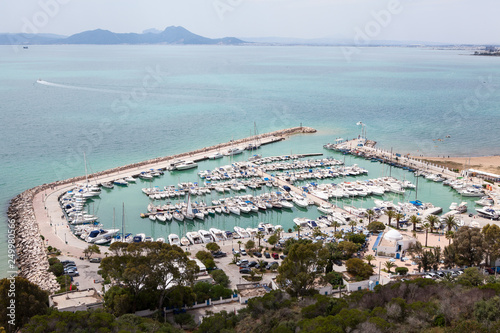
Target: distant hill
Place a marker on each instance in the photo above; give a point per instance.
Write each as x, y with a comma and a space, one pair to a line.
171, 35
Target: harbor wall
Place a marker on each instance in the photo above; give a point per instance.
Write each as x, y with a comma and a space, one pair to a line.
32, 261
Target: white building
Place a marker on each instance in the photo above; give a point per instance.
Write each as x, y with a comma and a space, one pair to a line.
393, 244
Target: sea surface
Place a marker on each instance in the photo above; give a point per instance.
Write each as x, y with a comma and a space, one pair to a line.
124, 104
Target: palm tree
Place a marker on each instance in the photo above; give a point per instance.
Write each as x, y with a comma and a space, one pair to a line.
353, 223
235, 258
370, 214
278, 232
317, 232
389, 265
414, 219
433, 221
297, 228
335, 225
239, 245
369, 258
262, 264
450, 222
259, 236
390, 215
398, 218
449, 236
427, 225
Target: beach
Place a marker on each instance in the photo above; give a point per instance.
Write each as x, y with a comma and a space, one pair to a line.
483, 163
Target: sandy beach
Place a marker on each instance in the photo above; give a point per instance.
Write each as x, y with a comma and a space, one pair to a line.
483, 163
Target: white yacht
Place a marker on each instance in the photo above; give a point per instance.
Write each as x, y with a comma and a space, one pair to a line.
186, 165
194, 237
139, 238
215, 156
244, 208
130, 179
326, 209
96, 235
173, 239
205, 236
217, 234
241, 232
233, 151
160, 240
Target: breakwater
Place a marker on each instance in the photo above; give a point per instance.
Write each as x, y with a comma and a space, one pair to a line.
32, 259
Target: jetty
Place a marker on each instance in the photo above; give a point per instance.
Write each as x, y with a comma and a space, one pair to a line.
36, 212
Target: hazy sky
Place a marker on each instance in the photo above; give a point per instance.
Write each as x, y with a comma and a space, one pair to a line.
451, 21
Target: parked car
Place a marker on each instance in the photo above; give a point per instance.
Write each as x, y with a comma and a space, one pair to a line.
257, 254
73, 273
245, 271
242, 261
275, 256
243, 252
97, 260
490, 270
65, 262
267, 255
283, 256
252, 264
219, 254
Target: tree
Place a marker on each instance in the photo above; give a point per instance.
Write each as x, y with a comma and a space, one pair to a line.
390, 215
370, 213
318, 233
414, 219
272, 240
433, 221
335, 225
259, 236
450, 256
239, 244
214, 247
450, 222
236, 256
250, 244
359, 269
469, 244
369, 258
297, 228
491, 235
376, 226
353, 223
426, 226
184, 319
220, 277
389, 264
348, 248
398, 217
301, 267
471, 277
449, 236
90, 250
27, 300
206, 258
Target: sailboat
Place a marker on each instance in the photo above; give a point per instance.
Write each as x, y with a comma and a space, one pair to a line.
189, 209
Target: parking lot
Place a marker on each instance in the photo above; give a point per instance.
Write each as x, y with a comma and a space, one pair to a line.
87, 273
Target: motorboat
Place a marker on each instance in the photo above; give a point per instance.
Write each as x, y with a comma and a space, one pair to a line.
108, 185
139, 238
161, 217
244, 208
178, 216
186, 165
185, 241
488, 212
205, 236
233, 151
148, 239
241, 232
215, 156
173, 239
129, 179
301, 221
286, 204
485, 201
96, 235
120, 182
217, 234
160, 240
300, 202
326, 208
471, 192
194, 237
234, 209
228, 235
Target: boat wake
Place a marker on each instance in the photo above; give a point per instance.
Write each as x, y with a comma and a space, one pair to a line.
66, 86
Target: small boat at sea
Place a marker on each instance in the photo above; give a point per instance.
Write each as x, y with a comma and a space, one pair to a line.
160, 240
186, 165
108, 185
139, 238
215, 156
130, 179
96, 235
233, 151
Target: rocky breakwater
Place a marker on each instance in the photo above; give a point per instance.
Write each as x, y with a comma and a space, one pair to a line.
31, 259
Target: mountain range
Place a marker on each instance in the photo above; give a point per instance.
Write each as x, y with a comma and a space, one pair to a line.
171, 35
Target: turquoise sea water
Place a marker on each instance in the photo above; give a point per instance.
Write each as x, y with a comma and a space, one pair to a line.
123, 104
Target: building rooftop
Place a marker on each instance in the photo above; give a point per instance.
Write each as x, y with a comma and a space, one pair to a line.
76, 299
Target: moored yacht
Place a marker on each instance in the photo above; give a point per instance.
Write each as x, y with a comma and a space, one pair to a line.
173, 239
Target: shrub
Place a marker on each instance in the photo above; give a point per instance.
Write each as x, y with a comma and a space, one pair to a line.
401, 270
376, 226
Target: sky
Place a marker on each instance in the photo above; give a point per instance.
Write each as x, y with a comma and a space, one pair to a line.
446, 21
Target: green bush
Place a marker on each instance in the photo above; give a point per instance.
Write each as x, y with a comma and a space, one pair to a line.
376, 226
401, 270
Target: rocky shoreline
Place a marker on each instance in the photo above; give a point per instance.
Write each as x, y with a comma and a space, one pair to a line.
32, 259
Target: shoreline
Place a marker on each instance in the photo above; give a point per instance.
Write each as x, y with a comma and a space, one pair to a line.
490, 163
36, 211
